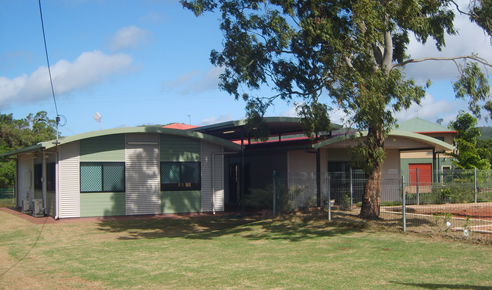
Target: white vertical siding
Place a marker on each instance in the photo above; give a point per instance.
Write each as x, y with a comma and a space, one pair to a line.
212, 201
142, 174
69, 180
24, 178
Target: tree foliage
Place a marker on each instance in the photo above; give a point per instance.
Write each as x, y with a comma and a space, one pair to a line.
17, 134
347, 53
468, 156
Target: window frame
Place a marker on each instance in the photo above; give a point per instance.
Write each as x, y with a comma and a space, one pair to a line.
102, 164
182, 185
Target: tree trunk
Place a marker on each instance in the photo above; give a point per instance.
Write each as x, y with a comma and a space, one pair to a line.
372, 196
372, 190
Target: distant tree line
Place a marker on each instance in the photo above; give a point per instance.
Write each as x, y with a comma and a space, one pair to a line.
17, 134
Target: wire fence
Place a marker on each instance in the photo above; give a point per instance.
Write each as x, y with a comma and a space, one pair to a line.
455, 202
7, 197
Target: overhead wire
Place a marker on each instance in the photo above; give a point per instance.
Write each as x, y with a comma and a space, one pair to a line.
49, 70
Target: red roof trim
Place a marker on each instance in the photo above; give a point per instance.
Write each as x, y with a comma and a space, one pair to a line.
179, 126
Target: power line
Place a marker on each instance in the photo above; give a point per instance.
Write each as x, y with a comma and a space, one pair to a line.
49, 71
48, 60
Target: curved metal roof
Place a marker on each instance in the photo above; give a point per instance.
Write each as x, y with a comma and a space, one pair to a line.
432, 142
127, 130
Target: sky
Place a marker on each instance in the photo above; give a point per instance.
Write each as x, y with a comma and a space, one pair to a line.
147, 63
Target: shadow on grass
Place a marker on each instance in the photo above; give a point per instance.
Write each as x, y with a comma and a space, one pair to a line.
290, 228
442, 286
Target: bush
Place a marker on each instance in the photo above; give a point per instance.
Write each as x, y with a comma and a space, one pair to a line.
260, 199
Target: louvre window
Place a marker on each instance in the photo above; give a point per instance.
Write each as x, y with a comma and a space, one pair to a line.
102, 177
180, 176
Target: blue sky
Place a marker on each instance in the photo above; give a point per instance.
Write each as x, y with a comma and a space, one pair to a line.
147, 62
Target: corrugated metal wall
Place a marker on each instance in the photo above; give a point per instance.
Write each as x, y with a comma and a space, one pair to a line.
69, 180
24, 178
142, 174
210, 200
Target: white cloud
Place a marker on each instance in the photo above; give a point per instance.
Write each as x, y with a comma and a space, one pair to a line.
128, 37
194, 82
154, 17
88, 69
215, 120
431, 110
470, 39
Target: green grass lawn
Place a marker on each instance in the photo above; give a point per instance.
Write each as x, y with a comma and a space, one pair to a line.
227, 252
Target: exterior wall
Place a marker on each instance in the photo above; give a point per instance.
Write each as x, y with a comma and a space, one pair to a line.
25, 176
390, 187
212, 193
69, 180
177, 148
180, 149
142, 174
301, 161
181, 201
103, 149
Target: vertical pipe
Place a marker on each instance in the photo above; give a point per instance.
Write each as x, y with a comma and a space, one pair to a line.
476, 188
329, 196
318, 177
274, 190
418, 184
404, 206
351, 189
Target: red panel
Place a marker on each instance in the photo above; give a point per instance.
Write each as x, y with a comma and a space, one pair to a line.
425, 173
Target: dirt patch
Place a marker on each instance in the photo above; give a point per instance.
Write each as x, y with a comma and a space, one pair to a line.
481, 211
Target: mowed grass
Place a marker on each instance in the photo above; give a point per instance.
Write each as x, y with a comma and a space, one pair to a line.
233, 252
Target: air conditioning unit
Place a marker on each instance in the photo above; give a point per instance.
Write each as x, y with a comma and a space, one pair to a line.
26, 206
37, 208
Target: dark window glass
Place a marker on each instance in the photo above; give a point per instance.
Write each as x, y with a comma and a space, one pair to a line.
180, 176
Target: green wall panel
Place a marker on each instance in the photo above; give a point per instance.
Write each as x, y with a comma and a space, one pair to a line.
102, 204
180, 201
103, 148
177, 148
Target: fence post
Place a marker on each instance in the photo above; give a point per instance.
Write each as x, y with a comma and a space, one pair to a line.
418, 189
476, 186
274, 192
329, 196
351, 189
404, 206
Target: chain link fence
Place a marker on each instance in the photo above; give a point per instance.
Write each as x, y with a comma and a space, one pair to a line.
455, 202
7, 197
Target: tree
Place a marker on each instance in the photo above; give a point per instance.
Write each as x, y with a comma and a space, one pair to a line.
350, 51
17, 134
467, 156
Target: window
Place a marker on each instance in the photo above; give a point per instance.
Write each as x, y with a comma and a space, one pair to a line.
102, 177
180, 176
51, 176
38, 175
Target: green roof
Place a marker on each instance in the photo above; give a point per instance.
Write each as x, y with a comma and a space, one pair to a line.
418, 125
126, 130
438, 144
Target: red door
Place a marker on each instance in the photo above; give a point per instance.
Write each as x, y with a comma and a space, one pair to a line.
424, 173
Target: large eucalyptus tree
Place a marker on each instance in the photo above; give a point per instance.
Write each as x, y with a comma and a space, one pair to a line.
351, 53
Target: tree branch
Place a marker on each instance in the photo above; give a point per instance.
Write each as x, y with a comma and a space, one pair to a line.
473, 57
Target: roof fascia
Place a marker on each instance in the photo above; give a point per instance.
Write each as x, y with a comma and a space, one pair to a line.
411, 135
130, 130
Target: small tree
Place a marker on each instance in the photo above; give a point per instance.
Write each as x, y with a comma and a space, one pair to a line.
467, 155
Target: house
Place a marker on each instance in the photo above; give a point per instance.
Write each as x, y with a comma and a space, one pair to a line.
326, 160
423, 166
152, 170
124, 171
